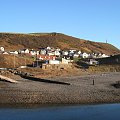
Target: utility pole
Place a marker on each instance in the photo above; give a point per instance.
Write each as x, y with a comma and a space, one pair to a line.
14, 61
93, 82
36, 60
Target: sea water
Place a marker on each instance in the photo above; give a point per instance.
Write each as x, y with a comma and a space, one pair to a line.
77, 112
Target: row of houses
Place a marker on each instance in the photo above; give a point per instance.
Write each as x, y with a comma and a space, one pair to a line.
54, 56
48, 51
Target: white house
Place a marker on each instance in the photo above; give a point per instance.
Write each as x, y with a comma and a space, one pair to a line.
33, 52
43, 52
93, 62
84, 55
104, 55
76, 55
24, 51
50, 53
14, 52
5, 53
48, 48
79, 52
57, 53
72, 51
54, 62
58, 49
65, 53
2, 49
27, 51
37, 52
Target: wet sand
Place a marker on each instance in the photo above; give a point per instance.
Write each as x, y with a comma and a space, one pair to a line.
80, 91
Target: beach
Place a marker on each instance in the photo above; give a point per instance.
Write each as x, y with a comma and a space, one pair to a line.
83, 89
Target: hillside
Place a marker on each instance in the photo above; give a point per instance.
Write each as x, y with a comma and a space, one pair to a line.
15, 41
11, 61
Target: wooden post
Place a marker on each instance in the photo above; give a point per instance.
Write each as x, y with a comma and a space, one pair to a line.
93, 82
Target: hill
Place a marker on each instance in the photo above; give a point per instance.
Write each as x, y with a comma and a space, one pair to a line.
15, 41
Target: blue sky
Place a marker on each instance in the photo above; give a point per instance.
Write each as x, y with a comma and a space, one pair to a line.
96, 20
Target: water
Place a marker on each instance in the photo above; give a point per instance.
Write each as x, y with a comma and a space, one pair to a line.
81, 112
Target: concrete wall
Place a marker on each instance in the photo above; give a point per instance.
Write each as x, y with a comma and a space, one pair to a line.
54, 62
56, 66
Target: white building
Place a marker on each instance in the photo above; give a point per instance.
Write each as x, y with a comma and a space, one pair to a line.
58, 49
27, 51
84, 55
43, 52
5, 53
93, 62
72, 51
24, 51
79, 52
51, 53
37, 52
54, 62
104, 55
2, 49
14, 52
48, 48
76, 55
65, 53
33, 52
57, 53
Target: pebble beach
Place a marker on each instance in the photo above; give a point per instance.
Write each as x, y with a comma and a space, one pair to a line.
81, 90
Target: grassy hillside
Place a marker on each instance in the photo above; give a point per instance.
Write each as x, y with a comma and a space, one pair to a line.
11, 61
13, 41
104, 68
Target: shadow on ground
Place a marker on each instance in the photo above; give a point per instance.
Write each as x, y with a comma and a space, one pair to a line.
116, 85
44, 80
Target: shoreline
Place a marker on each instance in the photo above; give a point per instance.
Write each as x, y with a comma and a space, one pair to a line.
80, 91
35, 106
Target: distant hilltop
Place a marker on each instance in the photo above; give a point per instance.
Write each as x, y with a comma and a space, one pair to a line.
15, 41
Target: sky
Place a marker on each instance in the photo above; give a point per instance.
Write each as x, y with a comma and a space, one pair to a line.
95, 20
